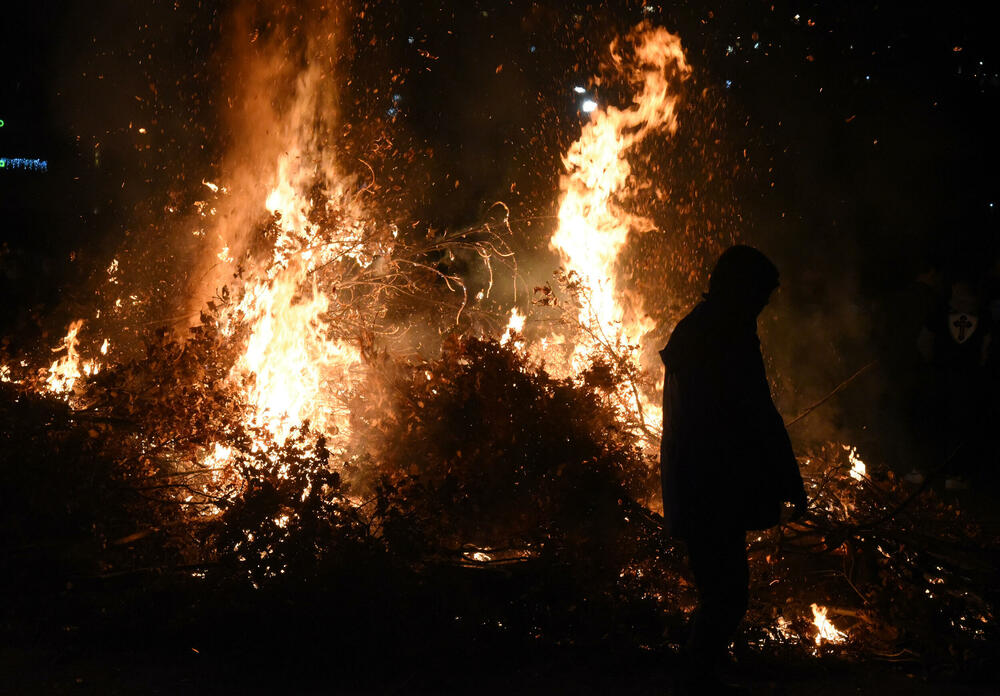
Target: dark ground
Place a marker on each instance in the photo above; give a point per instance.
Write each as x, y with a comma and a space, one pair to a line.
158, 665
243, 650
152, 632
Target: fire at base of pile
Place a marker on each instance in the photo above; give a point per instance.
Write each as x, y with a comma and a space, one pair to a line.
483, 462
479, 449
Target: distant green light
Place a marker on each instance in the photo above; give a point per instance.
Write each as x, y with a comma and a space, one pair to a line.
3, 163
1, 123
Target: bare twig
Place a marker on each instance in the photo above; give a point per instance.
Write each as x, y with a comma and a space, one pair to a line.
839, 388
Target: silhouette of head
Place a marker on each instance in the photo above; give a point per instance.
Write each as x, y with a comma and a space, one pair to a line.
743, 279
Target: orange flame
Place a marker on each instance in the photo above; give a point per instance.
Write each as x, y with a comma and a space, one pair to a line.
858, 469
294, 370
593, 229
825, 630
64, 372
514, 327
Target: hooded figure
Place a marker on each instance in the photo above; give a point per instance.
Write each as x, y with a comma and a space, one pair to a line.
727, 464
726, 460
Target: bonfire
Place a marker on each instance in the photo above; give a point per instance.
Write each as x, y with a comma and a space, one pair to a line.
346, 390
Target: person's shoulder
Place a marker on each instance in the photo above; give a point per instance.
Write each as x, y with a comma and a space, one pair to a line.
687, 338
693, 323
698, 317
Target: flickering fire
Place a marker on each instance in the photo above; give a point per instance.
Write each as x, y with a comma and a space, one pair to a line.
825, 630
514, 326
64, 373
858, 468
593, 228
299, 367
293, 370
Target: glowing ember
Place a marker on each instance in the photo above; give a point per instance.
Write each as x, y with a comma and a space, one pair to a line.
784, 629
220, 453
825, 630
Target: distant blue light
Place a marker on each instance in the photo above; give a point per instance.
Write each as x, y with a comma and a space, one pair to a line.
392, 111
533, 49
729, 83
31, 165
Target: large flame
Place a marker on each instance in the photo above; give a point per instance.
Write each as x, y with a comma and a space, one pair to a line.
299, 366
593, 228
296, 368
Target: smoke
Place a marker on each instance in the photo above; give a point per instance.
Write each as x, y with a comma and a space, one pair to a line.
815, 334
279, 114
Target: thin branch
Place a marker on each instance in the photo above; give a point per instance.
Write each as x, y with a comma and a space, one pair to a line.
839, 388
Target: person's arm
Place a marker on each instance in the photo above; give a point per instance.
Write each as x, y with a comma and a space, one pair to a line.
766, 422
789, 476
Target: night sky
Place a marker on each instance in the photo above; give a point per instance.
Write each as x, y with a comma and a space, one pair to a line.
854, 143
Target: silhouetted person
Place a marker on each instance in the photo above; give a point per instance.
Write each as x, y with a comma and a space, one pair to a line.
956, 341
903, 405
726, 461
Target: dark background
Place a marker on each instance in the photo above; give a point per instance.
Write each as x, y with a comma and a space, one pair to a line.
856, 142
